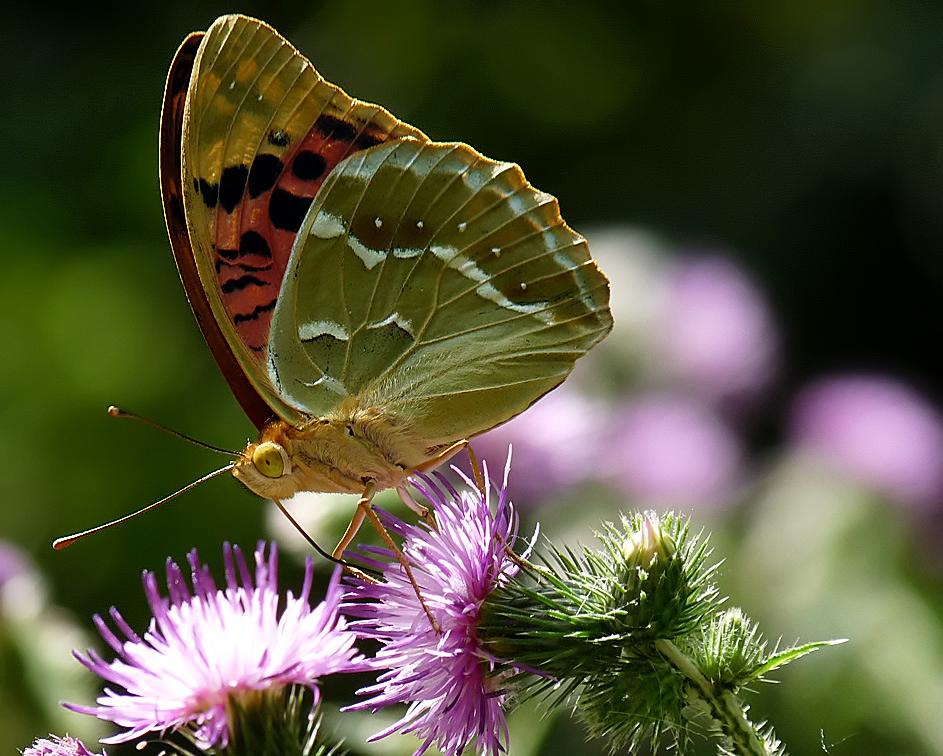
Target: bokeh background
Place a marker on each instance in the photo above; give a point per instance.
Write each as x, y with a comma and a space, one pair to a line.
762, 182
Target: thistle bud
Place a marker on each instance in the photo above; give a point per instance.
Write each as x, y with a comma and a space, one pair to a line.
648, 544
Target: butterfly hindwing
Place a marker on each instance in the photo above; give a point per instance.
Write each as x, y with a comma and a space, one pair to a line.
259, 133
436, 285
331, 253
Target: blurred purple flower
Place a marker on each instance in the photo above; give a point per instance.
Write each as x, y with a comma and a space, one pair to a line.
876, 429
13, 563
448, 679
22, 588
556, 443
716, 333
56, 746
200, 650
673, 449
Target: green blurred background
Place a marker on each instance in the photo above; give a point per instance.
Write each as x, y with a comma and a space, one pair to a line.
804, 139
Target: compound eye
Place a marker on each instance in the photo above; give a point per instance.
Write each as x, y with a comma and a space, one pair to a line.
269, 459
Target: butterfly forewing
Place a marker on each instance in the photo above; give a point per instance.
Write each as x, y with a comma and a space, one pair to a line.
337, 259
172, 191
261, 130
437, 286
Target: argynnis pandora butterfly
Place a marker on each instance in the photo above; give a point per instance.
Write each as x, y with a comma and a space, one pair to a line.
374, 298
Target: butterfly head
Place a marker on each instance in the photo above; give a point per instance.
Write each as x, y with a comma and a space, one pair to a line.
266, 468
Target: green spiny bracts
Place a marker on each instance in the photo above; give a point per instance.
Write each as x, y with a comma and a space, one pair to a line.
634, 633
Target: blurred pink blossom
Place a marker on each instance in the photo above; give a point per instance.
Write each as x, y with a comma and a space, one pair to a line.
555, 443
22, 588
674, 449
13, 563
716, 334
877, 429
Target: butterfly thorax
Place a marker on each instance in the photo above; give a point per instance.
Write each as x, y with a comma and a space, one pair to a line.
339, 454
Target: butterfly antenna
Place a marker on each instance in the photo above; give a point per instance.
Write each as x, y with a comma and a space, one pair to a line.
118, 412
61, 543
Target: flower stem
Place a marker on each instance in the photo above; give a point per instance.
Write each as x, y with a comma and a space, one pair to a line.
738, 735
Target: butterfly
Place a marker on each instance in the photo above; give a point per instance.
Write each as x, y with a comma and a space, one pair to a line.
374, 298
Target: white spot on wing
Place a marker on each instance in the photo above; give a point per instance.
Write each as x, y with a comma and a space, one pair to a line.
327, 226
308, 331
328, 382
369, 257
405, 252
485, 290
331, 384
397, 319
537, 309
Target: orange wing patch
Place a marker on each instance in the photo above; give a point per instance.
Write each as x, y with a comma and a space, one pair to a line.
260, 209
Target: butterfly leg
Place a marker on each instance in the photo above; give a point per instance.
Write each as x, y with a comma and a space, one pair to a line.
447, 454
476, 469
355, 522
365, 510
334, 558
419, 509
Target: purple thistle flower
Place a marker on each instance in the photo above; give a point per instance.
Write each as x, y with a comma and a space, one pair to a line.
451, 683
203, 649
56, 746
